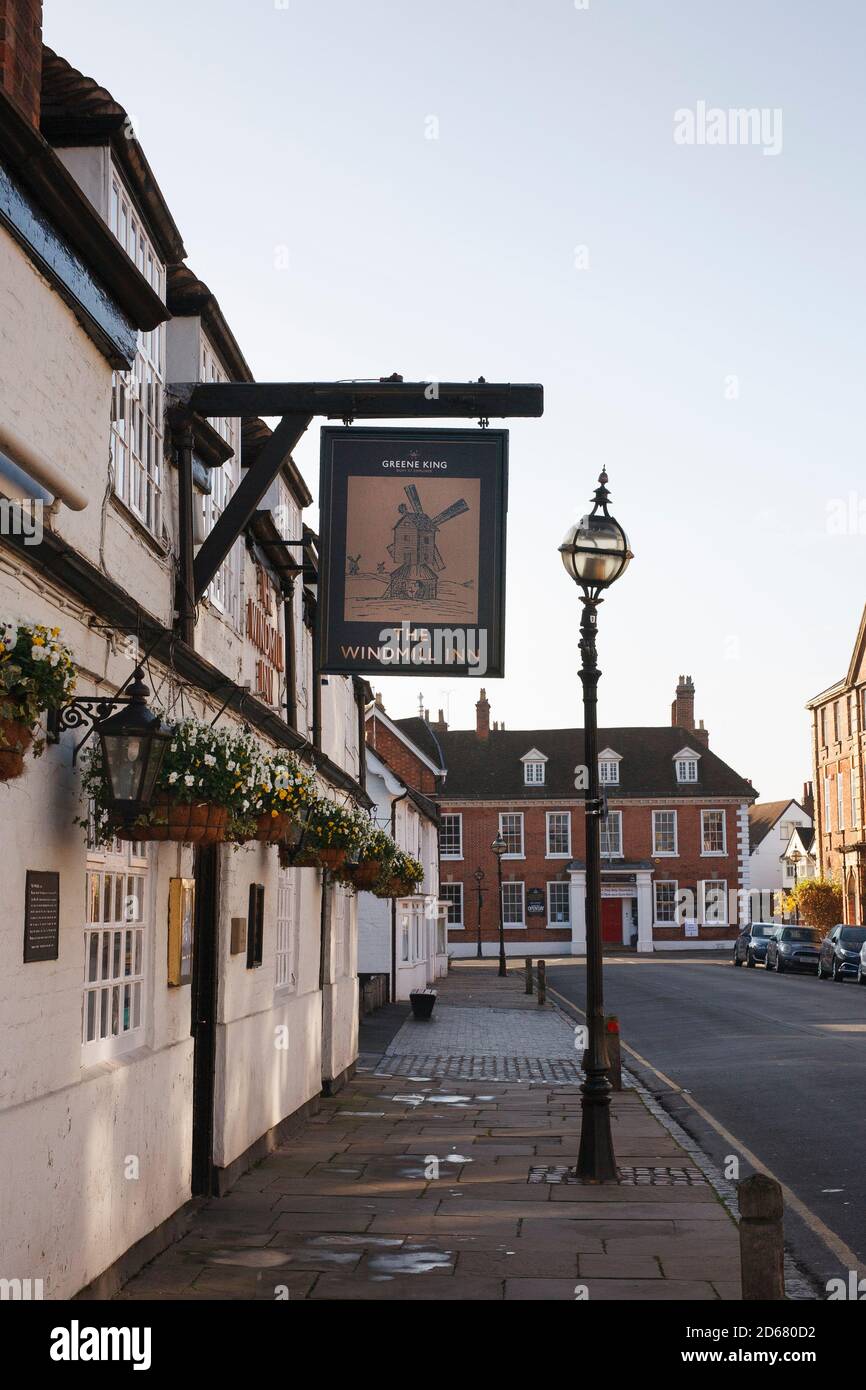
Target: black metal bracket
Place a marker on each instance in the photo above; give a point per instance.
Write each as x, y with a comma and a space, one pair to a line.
597, 806
85, 711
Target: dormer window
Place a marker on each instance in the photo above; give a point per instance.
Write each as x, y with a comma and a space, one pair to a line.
686, 763
608, 768
533, 768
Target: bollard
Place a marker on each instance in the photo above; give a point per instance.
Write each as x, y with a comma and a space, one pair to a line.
529, 974
762, 1242
542, 985
614, 1051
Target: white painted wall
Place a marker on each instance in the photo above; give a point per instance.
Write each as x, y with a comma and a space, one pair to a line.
765, 862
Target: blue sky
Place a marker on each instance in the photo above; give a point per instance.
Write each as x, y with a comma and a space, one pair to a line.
709, 354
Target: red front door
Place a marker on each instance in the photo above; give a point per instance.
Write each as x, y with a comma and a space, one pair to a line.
611, 920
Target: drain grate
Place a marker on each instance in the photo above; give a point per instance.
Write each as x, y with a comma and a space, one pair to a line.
628, 1177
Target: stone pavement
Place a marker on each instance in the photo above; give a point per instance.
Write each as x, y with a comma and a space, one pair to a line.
403, 1188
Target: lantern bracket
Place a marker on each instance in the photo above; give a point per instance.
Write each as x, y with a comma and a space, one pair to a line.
86, 711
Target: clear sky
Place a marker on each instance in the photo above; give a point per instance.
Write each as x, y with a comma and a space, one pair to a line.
694, 311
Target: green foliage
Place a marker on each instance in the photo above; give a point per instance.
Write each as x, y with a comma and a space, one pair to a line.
819, 902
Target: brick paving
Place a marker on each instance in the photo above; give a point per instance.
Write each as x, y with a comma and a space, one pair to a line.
405, 1188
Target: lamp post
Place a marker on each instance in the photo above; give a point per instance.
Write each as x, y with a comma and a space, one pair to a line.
499, 848
479, 876
595, 553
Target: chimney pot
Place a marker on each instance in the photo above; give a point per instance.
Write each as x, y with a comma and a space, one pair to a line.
482, 716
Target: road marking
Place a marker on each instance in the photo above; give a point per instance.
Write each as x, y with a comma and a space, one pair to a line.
842, 1027
835, 1244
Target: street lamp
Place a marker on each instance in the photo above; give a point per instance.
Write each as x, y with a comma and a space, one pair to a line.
499, 848
479, 876
133, 743
595, 553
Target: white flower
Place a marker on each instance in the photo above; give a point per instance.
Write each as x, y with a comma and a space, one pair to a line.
172, 778
210, 760
189, 779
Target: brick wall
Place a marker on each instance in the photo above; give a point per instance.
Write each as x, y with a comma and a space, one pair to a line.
536, 870
839, 745
401, 759
21, 54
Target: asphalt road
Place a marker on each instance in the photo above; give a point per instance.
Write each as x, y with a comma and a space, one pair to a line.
778, 1060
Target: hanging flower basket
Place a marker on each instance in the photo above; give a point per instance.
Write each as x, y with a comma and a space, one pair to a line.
276, 829
331, 857
365, 874
36, 674
186, 822
15, 739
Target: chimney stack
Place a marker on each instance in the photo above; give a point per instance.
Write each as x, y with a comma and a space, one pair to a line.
809, 799
683, 707
440, 724
21, 55
482, 716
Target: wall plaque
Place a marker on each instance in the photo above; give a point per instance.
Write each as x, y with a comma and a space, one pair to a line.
41, 916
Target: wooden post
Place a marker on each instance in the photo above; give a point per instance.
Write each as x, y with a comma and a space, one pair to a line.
529, 974
762, 1243
542, 985
614, 1051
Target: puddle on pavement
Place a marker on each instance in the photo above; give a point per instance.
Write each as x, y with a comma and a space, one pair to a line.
319, 1241
411, 1262
250, 1259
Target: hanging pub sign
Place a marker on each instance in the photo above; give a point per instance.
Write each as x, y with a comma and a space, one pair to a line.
535, 902
412, 551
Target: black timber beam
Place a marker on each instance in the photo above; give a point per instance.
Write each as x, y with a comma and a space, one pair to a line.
245, 499
362, 400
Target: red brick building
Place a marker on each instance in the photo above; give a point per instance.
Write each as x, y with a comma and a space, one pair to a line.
838, 750
675, 841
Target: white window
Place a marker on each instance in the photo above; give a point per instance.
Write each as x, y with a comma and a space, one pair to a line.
840, 801
827, 802
610, 827
452, 894
404, 937
713, 832
664, 832
512, 904
559, 834
608, 772
137, 395
855, 810
533, 773
713, 898
511, 830
451, 836
558, 904
687, 769
287, 928
117, 925
224, 590
665, 891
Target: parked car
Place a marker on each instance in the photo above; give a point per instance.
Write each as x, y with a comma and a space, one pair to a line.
750, 946
840, 952
793, 948
861, 966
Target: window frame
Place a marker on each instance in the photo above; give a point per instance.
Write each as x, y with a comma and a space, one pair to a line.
535, 765
551, 853
287, 924
127, 860
665, 883
514, 815
559, 884
511, 883
461, 924
714, 853
450, 816
618, 854
665, 853
706, 883
686, 763
612, 764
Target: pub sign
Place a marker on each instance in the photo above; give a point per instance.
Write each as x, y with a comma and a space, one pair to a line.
412, 551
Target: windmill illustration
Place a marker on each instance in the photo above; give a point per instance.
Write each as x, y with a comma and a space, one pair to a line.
414, 549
